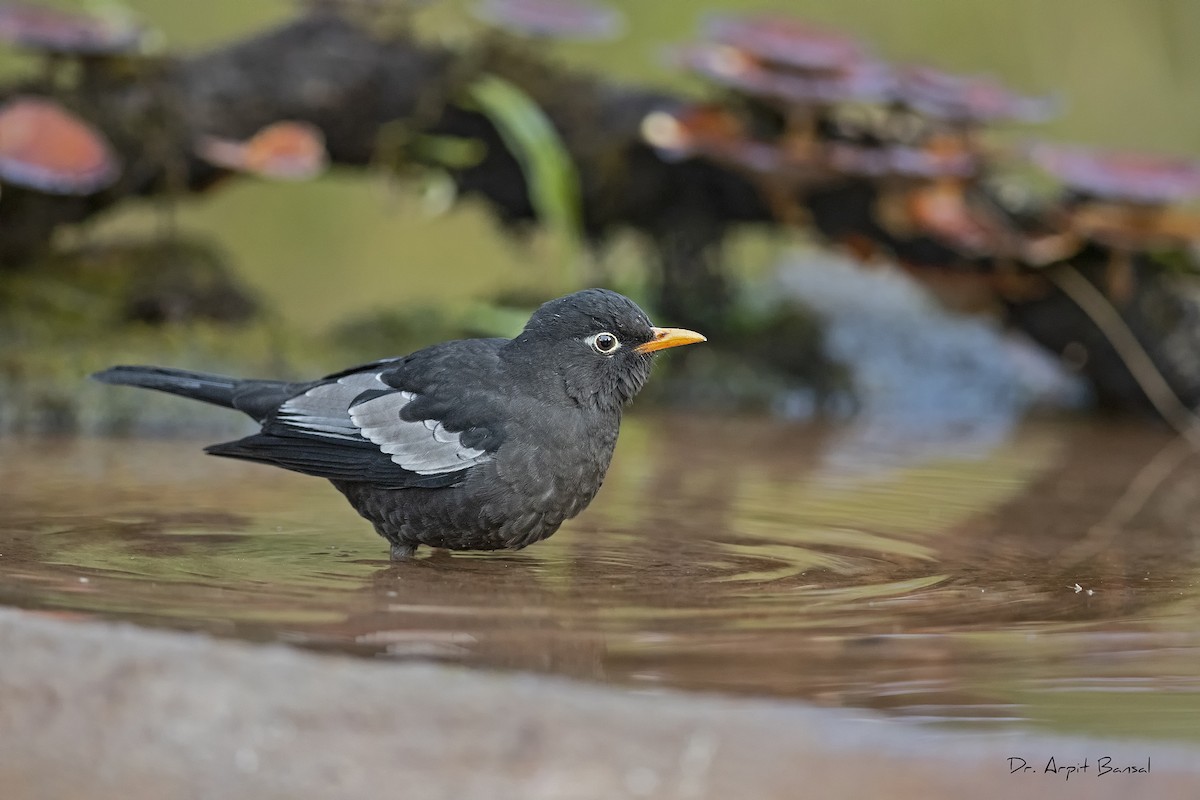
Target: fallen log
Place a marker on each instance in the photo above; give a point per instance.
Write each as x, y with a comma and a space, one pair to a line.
372, 94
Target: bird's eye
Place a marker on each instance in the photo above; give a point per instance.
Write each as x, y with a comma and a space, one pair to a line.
604, 343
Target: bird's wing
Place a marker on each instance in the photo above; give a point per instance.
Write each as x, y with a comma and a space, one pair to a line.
382, 426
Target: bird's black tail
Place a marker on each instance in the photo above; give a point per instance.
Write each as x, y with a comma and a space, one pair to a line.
215, 389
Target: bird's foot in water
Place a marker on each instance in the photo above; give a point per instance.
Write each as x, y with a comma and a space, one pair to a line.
403, 552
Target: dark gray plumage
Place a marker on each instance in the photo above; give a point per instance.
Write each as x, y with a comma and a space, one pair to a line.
479, 444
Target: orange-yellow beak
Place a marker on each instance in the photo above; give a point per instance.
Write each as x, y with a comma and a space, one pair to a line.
669, 337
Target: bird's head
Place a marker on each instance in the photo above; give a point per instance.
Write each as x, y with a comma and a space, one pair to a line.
600, 343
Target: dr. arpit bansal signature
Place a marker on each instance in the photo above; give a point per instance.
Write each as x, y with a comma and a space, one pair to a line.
1065, 769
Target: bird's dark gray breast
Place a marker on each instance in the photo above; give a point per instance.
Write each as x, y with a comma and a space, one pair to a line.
548, 470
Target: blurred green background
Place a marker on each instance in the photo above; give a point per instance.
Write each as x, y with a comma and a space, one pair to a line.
1128, 71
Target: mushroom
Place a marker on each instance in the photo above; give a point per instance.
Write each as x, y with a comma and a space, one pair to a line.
966, 99
742, 71
787, 59
47, 148
928, 174
933, 191
289, 151
1123, 201
54, 31
944, 211
1119, 175
800, 100
787, 43
792, 72
557, 19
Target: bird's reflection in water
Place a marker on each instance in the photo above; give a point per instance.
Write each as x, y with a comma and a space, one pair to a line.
496, 611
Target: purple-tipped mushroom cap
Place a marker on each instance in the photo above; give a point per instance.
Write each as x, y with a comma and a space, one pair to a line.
787, 41
967, 98
727, 66
55, 31
559, 19
1114, 175
45, 147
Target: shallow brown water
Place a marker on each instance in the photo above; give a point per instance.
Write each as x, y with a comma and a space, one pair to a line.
1045, 578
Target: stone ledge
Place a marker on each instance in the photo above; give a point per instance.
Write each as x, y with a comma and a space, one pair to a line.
112, 711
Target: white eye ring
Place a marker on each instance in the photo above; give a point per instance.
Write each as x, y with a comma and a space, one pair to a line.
604, 343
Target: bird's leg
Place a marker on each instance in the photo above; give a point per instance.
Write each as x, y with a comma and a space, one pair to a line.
403, 552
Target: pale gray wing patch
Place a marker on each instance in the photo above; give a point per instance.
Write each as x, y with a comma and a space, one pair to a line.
325, 410
423, 447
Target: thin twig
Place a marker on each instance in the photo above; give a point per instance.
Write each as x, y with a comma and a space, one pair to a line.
1143, 486
1130, 350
